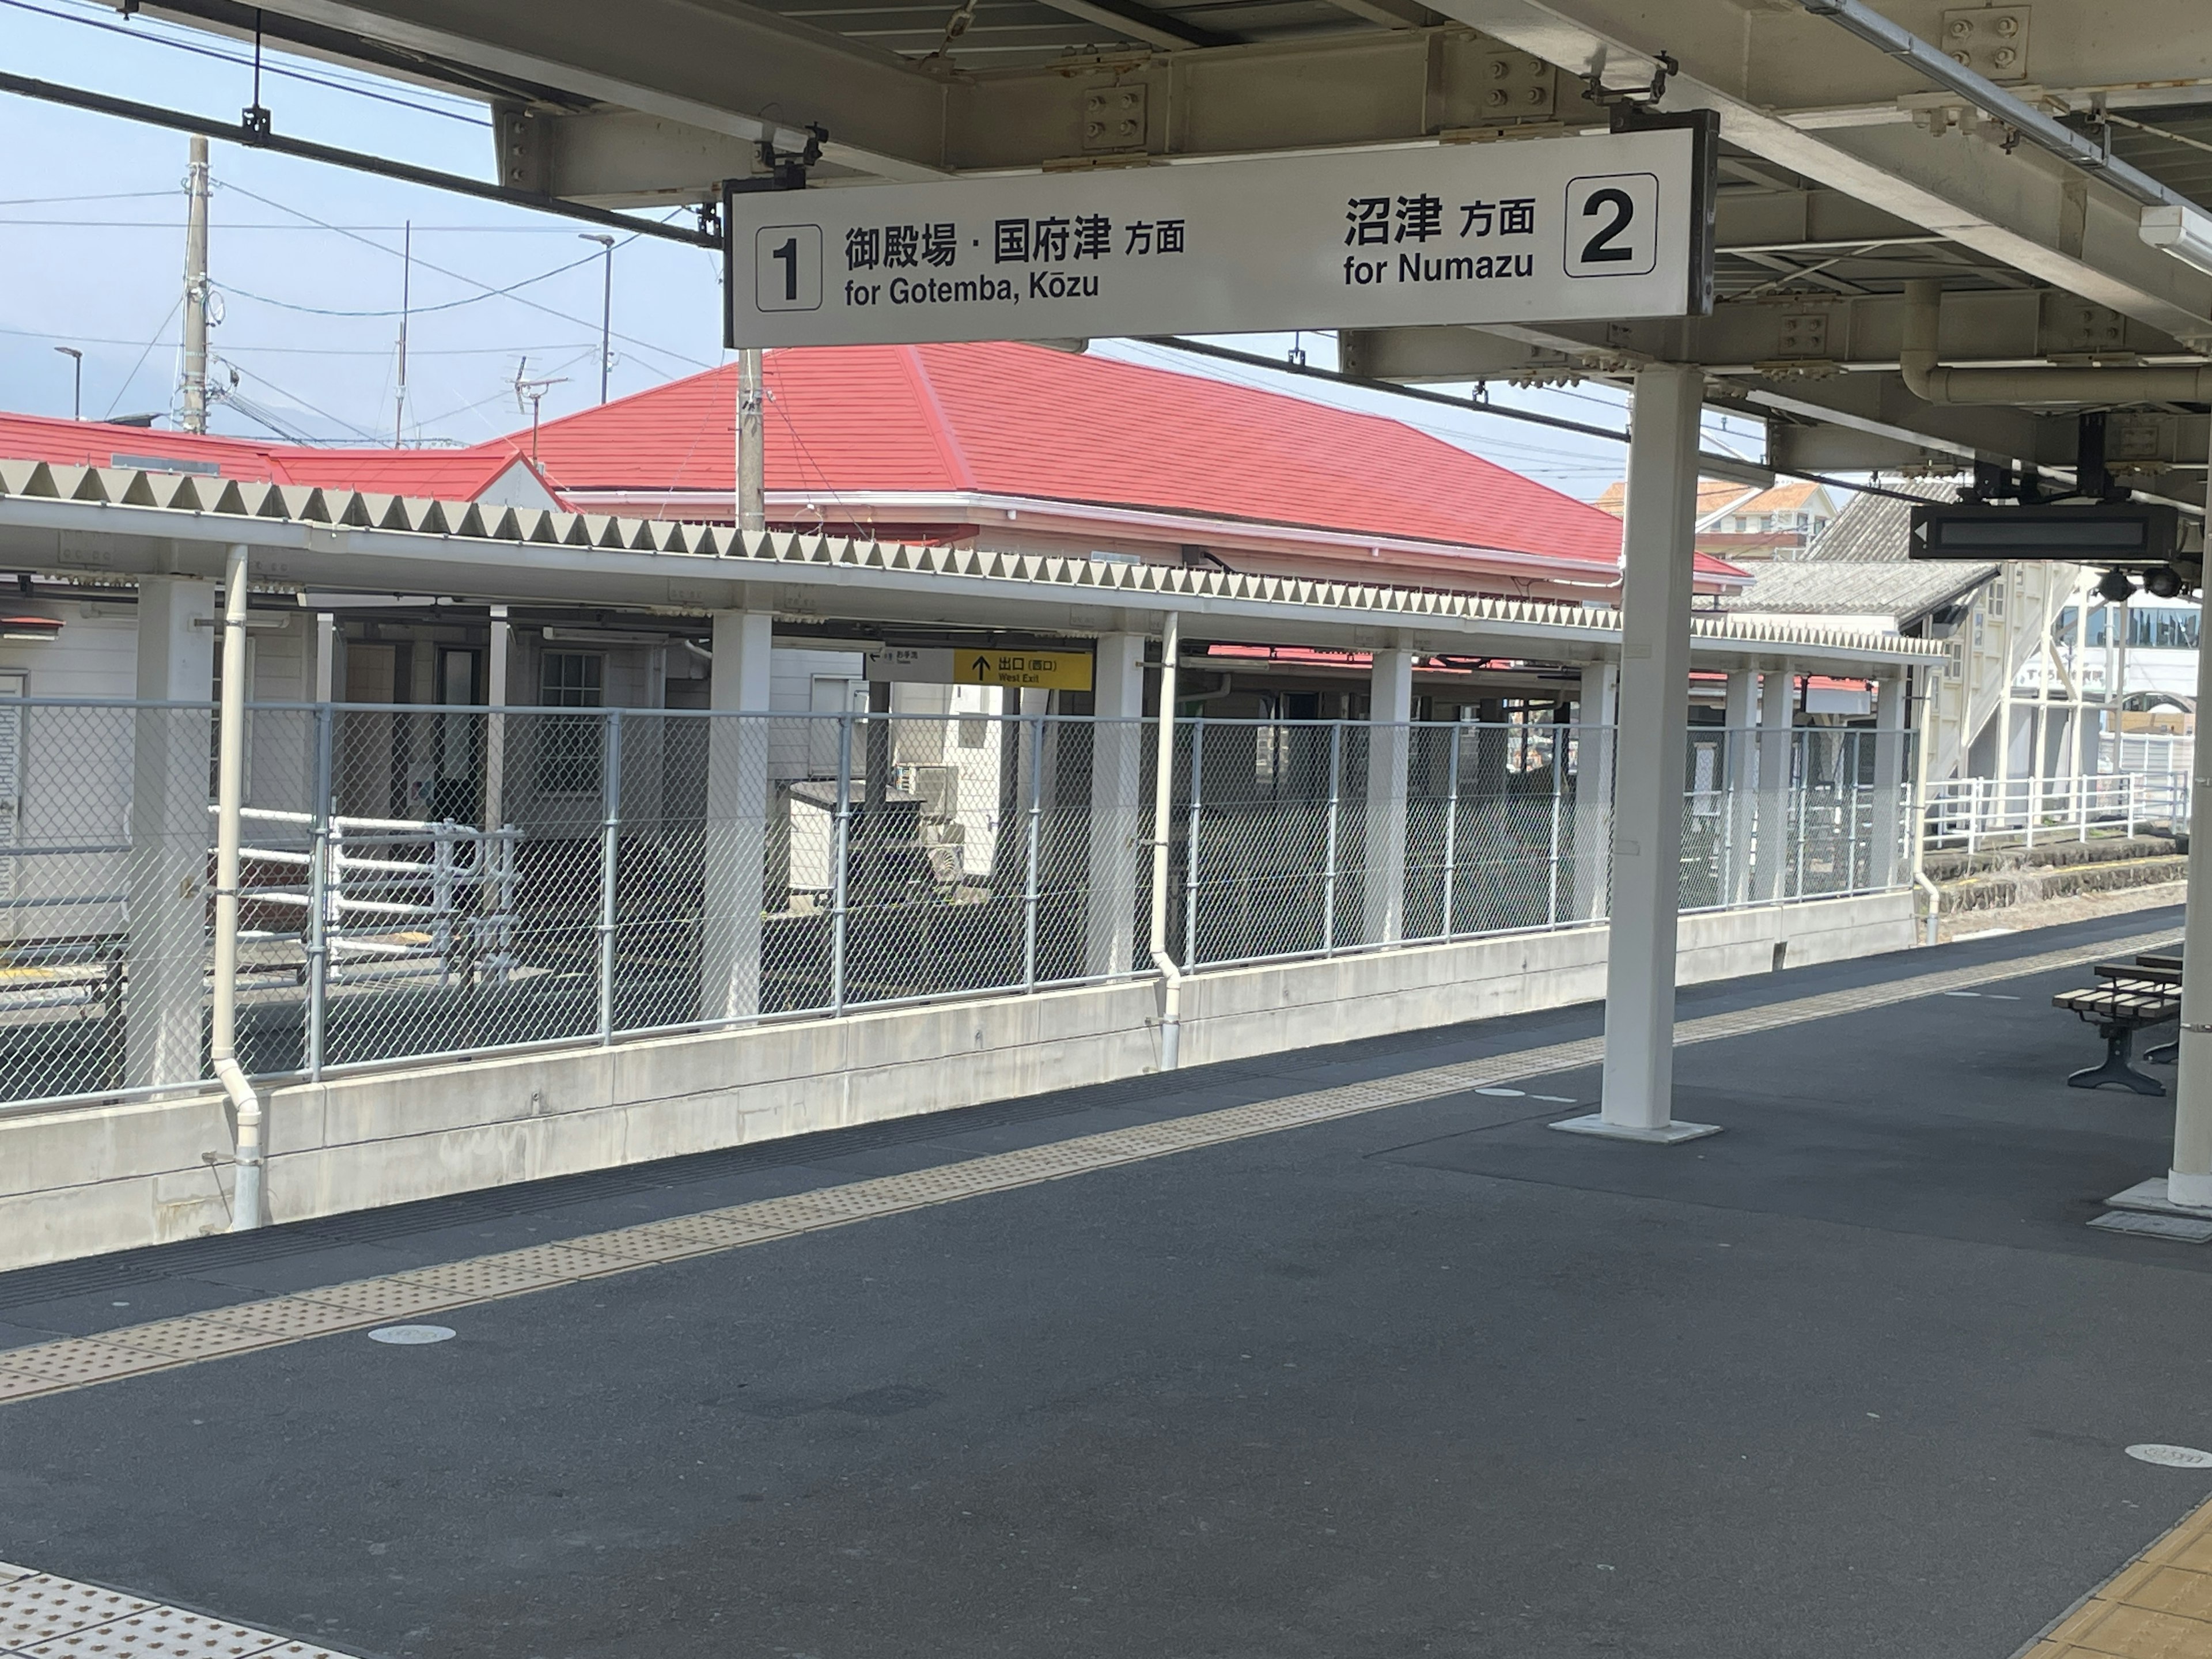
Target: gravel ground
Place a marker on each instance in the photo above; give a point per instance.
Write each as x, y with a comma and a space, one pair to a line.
2081, 907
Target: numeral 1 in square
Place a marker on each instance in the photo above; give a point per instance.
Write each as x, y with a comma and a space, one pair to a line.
787, 268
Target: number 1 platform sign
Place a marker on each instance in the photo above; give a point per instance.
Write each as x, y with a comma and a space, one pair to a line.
1540, 230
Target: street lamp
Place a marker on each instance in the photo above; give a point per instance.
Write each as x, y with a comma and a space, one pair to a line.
76, 360
606, 301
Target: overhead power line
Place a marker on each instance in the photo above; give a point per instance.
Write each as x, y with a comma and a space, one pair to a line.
1471, 405
156, 115
152, 37
565, 317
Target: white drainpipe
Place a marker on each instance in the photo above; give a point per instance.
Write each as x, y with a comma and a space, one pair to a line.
1163, 816
1928, 381
230, 786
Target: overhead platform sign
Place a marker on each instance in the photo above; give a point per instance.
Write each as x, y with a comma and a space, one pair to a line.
2112, 533
1543, 230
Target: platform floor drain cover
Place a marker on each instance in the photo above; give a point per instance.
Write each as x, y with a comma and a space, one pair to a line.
2171, 1457
411, 1336
2182, 1229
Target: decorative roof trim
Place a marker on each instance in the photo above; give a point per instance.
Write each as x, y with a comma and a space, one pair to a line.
159, 493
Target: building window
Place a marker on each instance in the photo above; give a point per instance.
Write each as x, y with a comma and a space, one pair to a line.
569, 748
2162, 630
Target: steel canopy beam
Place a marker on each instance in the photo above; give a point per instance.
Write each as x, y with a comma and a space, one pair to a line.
716, 64
1755, 67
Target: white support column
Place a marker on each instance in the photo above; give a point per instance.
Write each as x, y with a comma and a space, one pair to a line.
1742, 701
496, 657
1887, 839
171, 831
1117, 805
1777, 720
2123, 624
330, 653
2108, 715
1657, 577
2189, 1178
736, 831
1597, 708
1389, 742
2010, 577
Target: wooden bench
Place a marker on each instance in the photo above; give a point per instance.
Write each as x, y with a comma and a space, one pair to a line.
2158, 970
2132, 998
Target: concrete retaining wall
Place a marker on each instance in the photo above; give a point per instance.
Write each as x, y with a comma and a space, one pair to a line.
79, 1182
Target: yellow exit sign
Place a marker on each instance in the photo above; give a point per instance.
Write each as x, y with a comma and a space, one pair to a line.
1042, 671
1048, 671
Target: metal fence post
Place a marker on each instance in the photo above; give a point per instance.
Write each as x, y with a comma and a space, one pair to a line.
1328, 878
319, 883
1851, 830
442, 900
1030, 876
1551, 889
842, 838
1190, 841
1451, 838
1803, 781
609, 843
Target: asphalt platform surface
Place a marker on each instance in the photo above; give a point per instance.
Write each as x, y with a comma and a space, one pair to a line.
1854, 1378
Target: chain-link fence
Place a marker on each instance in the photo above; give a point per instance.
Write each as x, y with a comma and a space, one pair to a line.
1796, 812
421, 882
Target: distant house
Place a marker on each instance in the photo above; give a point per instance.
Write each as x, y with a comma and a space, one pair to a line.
1010, 447
499, 474
1741, 523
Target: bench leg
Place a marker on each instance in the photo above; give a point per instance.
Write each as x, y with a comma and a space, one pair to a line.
2118, 1041
2164, 1053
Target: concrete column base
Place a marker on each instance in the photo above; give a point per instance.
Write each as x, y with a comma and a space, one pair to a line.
2167, 1194
1667, 1134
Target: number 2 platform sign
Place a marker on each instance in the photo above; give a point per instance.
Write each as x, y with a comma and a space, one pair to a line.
1617, 225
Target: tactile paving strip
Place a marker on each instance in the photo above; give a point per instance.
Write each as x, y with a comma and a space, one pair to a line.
46, 1617
42, 1608
188, 1337
398, 1296
165, 1632
72, 1363
287, 1318
2157, 1606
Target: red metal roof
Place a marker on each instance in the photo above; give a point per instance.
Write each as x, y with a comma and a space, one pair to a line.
991, 420
441, 474
1024, 421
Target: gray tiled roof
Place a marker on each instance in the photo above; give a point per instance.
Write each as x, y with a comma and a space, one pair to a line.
1872, 529
1904, 592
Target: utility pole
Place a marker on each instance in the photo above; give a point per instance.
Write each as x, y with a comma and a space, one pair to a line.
752, 483
606, 302
406, 287
76, 400
195, 288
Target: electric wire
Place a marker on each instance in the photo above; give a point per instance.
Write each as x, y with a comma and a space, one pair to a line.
152, 37
114, 402
580, 322
317, 351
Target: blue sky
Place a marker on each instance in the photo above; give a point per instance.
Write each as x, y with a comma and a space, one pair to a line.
307, 261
